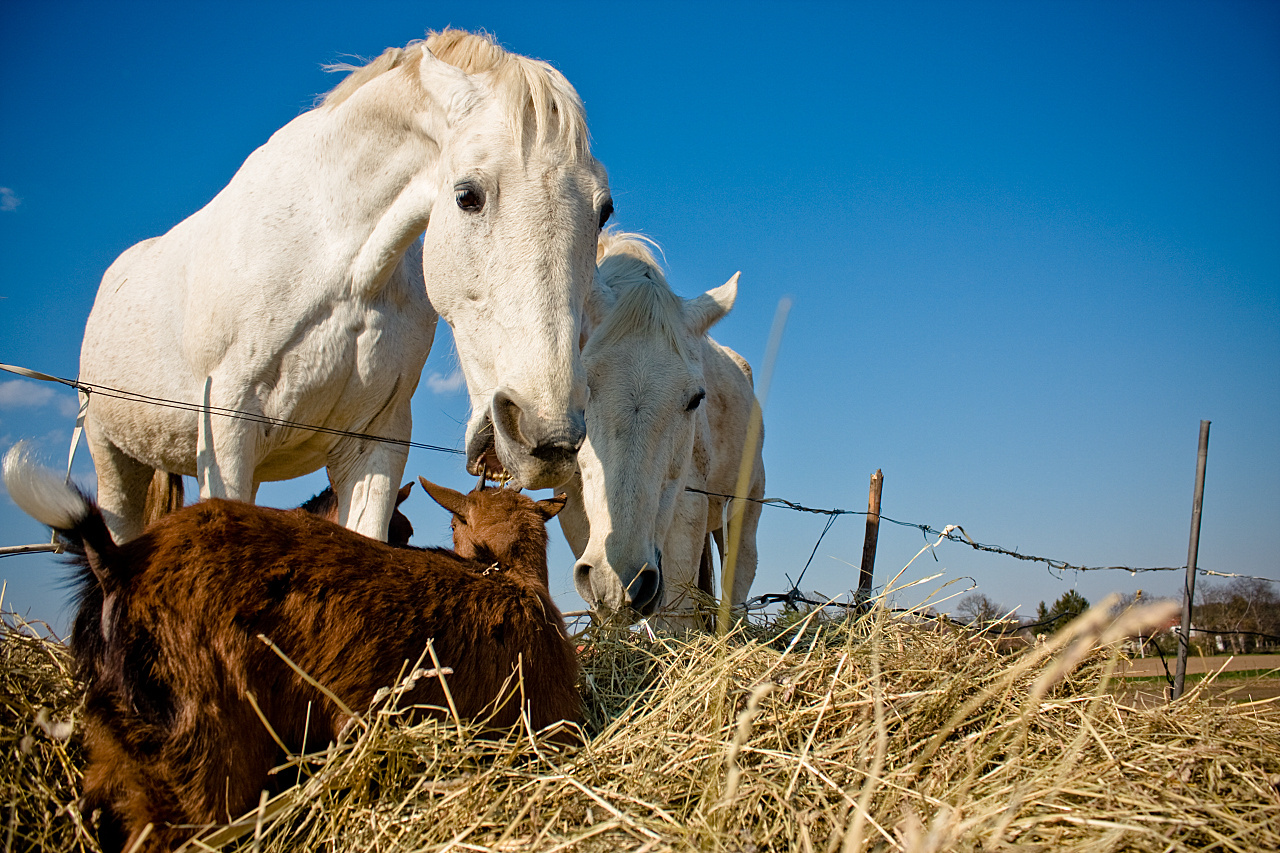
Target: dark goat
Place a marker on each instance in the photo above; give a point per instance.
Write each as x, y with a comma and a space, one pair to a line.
166, 494
168, 640
400, 530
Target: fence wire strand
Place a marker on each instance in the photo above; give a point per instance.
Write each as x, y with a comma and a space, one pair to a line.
964, 539
1055, 567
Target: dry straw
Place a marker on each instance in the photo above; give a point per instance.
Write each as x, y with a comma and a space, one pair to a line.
881, 733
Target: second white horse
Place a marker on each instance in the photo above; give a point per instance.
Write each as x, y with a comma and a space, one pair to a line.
669, 409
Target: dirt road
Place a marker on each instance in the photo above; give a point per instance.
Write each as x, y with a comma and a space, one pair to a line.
1197, 665
1149, 694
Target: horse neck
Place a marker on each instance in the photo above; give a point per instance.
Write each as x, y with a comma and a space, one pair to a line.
377, 146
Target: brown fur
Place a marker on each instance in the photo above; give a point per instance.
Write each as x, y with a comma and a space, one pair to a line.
167, 641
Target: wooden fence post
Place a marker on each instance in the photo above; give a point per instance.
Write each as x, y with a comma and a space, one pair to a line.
873, 535
1193, 551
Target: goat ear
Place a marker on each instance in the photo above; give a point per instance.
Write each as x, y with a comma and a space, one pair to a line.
404, 492
552, 506
703, 312
455, 502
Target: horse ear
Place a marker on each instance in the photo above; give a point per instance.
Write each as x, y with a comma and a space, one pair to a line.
455, 502
552, 506
705, 311
448, 84
404, 492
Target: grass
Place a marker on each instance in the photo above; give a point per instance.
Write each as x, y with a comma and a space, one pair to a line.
796, 733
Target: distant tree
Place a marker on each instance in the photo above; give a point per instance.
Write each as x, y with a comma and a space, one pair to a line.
1244, 613
1154, 640
978, 610
1130, 599
1068, 606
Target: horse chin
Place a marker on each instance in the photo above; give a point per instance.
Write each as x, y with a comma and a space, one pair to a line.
628, 615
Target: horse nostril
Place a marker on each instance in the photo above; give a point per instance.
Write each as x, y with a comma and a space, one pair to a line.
506, 417
582, 579
645, 590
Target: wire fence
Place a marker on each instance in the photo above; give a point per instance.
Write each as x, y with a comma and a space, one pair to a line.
1054, 566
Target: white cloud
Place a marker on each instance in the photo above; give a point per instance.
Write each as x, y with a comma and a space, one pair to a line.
68, 406
21, 394
8, 200
450, 384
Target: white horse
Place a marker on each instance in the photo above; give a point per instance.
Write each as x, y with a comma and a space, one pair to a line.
300, 292
669, 409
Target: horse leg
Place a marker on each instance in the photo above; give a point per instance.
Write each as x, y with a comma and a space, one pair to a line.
574, 523
225, 449
718, 536
122, 485
366, 490
681, 554
745, 567
366, 475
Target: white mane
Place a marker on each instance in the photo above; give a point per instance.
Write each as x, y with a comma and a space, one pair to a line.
645, 301
535, 95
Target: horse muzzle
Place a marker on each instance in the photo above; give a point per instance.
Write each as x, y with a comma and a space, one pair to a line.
631, 595
513, 443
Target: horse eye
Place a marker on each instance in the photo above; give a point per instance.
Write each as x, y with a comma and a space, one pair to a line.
606, 210
469, 198
695, 401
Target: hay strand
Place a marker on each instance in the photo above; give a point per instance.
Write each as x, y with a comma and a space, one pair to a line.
879, 733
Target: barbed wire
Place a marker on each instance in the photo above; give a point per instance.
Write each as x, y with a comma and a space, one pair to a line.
964, 538
1055, 567
999, 628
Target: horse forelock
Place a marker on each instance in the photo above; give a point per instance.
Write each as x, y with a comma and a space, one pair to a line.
644, 302
533, 94
614, 242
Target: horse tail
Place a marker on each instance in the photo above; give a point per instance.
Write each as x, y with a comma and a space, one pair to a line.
164, 495
51, 500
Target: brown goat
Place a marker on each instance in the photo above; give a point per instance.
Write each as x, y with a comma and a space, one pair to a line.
168, 640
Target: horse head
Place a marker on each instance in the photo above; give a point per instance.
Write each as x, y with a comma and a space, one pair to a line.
643, 356
509, 257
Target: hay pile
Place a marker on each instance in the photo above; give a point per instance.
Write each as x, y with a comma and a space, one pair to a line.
40, 764
876, 734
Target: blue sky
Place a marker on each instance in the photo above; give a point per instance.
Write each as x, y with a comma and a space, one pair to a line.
1030, 246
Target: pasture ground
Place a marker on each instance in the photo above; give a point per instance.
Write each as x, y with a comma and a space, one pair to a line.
799, 734
1222, 678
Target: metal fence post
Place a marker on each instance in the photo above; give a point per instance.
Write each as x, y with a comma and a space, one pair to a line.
1193, 551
